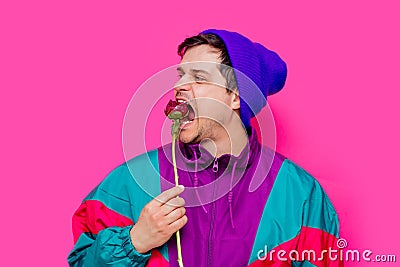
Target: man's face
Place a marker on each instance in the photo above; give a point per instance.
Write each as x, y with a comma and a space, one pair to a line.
202, 84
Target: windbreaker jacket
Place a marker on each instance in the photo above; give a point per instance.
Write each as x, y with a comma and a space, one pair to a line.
241, 212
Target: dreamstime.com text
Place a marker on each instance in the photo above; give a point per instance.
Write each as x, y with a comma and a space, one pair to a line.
339, 254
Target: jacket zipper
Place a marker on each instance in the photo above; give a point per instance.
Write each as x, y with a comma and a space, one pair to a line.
210, 236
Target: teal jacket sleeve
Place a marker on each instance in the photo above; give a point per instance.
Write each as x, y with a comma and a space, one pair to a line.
319, 233
298, 219
102, 224
110, 247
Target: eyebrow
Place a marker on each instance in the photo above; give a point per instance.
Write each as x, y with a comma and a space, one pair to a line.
180, 69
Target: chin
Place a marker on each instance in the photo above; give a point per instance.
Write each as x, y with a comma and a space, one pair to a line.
189, 136
189, 133
186, 138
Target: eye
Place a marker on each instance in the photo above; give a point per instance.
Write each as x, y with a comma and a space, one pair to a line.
199, 78
180, 75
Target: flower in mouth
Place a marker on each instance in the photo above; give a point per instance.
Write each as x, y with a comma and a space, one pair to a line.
180, 111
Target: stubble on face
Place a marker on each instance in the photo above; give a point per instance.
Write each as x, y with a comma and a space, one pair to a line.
210, 121
208, 130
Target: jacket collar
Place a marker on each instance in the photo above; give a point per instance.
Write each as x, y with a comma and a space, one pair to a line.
191, 152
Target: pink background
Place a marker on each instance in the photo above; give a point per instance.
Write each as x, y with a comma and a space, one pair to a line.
70, 68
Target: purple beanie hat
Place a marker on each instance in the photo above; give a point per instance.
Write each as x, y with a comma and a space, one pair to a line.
259, 72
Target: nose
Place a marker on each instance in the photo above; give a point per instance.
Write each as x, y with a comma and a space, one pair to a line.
182, 85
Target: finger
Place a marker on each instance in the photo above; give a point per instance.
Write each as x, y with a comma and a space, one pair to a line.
178, 224
176, 214
167, 195
172, 204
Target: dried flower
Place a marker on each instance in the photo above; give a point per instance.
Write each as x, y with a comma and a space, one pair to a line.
177, 112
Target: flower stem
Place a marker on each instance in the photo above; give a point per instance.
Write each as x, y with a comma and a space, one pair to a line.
174, 160
178, 236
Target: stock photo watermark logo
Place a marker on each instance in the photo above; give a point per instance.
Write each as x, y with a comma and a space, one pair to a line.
340, 252
145, 128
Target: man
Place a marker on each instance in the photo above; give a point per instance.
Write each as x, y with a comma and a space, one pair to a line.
242, 205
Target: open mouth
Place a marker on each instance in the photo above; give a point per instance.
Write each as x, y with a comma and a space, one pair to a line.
190, 117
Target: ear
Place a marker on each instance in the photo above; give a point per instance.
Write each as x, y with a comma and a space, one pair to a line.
235, 102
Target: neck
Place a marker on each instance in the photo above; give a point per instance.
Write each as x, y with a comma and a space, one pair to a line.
230, 141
